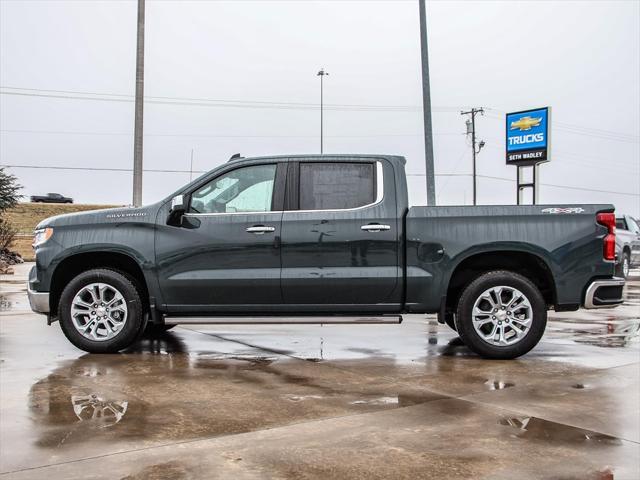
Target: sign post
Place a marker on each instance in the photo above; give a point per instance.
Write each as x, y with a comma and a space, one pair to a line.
528, 145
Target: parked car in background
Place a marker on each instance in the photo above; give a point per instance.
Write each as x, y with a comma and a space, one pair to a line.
627, 245
51, 198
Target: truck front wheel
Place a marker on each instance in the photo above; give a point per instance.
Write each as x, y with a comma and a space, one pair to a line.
501, 315
100, 311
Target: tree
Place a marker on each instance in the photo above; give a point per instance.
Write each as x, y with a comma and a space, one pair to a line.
9, 197
9, 189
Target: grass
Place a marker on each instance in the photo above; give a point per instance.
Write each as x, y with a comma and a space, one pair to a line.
25, 216
22, 245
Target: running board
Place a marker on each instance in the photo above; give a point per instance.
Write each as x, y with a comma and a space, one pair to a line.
386, 319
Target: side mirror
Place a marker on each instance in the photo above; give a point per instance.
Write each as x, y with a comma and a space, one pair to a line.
178, 207
177, 203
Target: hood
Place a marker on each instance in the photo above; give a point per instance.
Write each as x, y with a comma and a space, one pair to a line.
144, 214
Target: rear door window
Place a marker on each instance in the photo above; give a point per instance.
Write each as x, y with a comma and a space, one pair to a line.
336, 186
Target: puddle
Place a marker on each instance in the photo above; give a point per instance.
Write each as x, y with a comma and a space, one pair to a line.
609, 332
5, 303
377, 401
537, 429
498, 384
94, 408
301, 398
172, 470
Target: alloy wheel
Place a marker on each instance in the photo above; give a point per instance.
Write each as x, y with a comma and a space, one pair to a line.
502, 315
99, 311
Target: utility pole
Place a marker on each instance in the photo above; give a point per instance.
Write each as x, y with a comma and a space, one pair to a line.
137, 133
321, 74
191, 167
471, 129
426, 108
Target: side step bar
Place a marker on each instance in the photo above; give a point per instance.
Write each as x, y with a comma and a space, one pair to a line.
382, 319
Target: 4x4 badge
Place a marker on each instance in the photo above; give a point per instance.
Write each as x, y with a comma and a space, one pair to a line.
562, 210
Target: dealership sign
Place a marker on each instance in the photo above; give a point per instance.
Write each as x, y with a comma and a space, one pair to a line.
528, 137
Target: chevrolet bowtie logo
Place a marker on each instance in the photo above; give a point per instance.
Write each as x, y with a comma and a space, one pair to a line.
526, 123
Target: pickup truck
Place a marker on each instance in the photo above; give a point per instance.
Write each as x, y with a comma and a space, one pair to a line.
51, 198
627, 245
320, 239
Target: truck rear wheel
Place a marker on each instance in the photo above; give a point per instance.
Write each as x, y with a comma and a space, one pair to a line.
101, 311
501, 315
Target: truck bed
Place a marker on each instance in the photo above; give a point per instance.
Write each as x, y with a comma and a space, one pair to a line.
565, 238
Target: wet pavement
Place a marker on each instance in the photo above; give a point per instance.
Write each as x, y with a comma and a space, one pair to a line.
333, 401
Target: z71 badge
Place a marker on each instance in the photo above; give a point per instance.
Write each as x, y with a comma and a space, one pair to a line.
563, 210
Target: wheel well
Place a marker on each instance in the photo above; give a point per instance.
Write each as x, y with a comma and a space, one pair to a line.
526, 264
74, 265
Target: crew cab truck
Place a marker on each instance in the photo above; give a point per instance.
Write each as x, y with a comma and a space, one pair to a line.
51, 198
320, 239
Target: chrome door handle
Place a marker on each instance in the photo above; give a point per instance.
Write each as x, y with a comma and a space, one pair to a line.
260, 230
374, 227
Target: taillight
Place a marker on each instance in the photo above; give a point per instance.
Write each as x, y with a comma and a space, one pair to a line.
609, 247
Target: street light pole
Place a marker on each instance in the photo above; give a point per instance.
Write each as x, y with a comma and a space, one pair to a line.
139, 102
321, 74
426, 108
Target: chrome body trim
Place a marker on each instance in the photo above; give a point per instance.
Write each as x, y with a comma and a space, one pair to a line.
374, 227
366, 319
39, 301
377, 201
260, 230
590, 294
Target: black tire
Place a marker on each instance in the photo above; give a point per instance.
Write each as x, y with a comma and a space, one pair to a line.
135, 322
620, 267
473, 291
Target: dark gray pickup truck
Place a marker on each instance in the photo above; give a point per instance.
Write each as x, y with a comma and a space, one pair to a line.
320, 239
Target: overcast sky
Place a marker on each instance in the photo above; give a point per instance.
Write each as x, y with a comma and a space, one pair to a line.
233, 58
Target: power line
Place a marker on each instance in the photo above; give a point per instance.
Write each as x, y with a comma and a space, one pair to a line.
558, 153
585, 131
569, 187
61, 132
113, 169
100, 169
116, 97
205, 102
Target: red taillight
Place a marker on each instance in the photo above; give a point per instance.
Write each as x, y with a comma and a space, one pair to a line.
609, 247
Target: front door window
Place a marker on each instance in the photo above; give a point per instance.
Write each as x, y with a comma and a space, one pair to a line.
244, 190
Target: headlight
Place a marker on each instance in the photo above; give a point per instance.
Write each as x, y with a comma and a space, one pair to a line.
41, 235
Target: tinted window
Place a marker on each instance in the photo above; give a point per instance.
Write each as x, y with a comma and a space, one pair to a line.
331, 186
633, 225
620, 224
248, 189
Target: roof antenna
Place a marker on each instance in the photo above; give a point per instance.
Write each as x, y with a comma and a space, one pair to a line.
235, 156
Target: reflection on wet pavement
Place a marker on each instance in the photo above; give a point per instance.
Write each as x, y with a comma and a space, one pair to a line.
537, 429
396, 390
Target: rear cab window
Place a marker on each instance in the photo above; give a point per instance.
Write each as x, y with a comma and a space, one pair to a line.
337, 185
